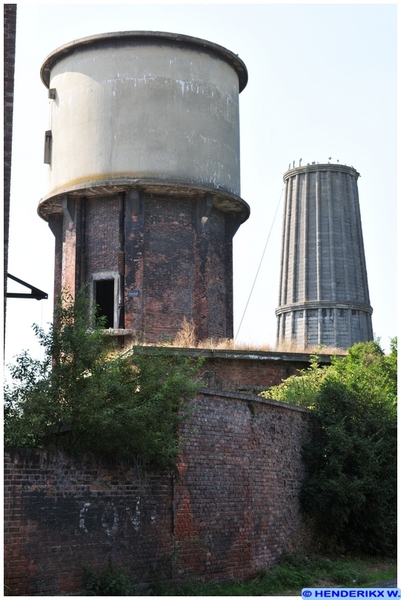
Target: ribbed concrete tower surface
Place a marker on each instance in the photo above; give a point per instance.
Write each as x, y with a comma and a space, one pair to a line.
324, 295
144, 178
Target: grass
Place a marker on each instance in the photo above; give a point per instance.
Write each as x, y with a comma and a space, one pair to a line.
186, 338
292, 573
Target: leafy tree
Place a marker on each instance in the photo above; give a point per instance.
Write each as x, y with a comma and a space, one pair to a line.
350, 487
86, 397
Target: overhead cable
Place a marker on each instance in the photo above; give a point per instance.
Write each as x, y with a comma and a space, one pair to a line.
260, 264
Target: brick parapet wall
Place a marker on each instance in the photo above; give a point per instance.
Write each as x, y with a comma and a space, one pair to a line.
244, 371
249, 373
233, 510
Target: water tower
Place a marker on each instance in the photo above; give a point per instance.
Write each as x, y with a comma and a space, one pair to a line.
144, 179
324, 295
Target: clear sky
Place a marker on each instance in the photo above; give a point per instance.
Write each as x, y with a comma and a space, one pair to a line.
322, 83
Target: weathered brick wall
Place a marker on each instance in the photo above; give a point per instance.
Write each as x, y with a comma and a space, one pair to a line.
235, 371
233, 510
216, 282
101, 234
247, 371
169, 261
10, 24
236, 504
184, 269
172, 262
9, 32
61, 515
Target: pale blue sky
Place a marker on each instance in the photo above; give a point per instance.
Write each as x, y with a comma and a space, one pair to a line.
322, 83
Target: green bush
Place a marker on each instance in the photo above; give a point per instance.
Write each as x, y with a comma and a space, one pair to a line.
302, 389
350, 488
86, 397
113, 582
343, 576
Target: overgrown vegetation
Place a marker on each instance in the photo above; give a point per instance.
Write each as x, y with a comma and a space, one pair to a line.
111, 582
350, 488
293, 572
86, 397
186, 338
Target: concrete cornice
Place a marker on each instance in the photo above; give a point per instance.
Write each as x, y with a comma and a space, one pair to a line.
257, 355
310, 168
316, 304
142, 37
222, 199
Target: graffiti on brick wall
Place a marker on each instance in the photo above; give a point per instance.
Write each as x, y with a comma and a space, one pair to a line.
114, 517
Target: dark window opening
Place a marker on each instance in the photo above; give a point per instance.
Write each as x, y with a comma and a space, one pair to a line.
104, 298
48, 148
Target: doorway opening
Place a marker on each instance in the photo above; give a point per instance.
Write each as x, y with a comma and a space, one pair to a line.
104, 298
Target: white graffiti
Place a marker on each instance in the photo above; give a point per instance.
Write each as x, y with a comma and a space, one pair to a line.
82, 516
135, 519
110, 531
110, 518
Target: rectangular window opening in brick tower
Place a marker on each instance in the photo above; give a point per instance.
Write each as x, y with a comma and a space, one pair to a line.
104, 298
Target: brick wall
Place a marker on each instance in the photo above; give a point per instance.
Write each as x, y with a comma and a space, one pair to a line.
61, 515
169, 266
236, 504
10, 24
172, 262
244, 371
181, 270
101, 234
233, 510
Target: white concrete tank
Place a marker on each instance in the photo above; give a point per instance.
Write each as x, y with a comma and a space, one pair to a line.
141, 107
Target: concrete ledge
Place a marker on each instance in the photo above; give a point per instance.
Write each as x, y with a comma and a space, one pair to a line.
258, 355
252, 398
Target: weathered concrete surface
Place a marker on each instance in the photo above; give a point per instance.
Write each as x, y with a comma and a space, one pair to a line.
144, 106
324, 295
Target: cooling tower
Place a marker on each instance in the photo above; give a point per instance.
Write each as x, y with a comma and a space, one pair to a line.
324, 295
144, 178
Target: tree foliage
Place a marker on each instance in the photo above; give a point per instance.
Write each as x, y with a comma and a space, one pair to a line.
86, 397
350, 487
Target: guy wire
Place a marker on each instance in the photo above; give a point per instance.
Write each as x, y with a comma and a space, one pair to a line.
260, 264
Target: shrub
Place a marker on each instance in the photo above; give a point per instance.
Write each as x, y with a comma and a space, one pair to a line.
113, 582
350, 487
86, 397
